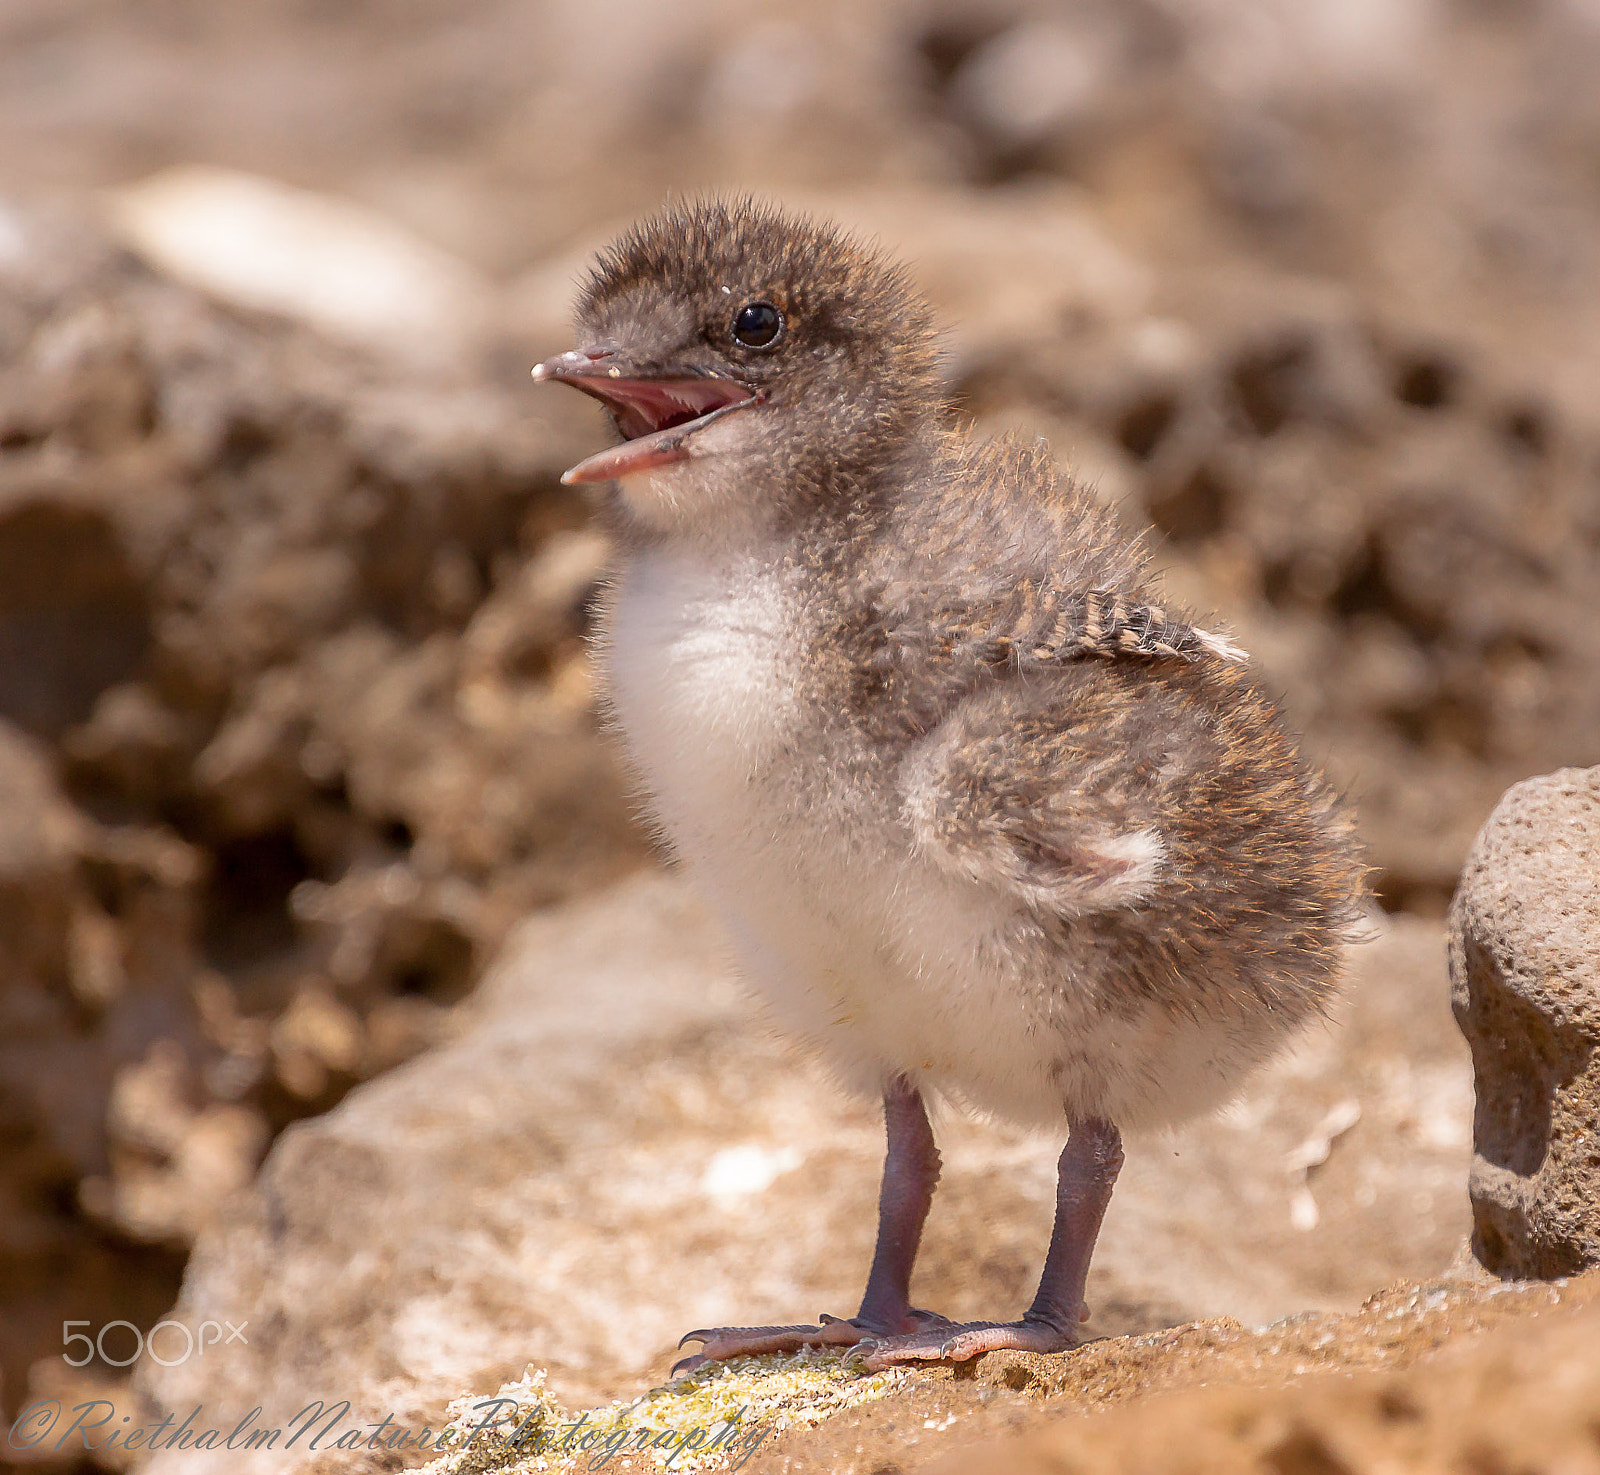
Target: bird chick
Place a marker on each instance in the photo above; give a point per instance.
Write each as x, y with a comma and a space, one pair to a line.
983, 819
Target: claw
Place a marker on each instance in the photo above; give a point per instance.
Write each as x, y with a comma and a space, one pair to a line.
702, 1334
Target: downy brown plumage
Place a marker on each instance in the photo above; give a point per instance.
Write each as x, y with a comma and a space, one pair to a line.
984, 816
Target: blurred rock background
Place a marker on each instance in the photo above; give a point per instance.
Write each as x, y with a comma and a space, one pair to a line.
294, 717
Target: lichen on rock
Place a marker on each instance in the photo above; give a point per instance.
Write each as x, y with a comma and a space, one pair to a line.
716, 1418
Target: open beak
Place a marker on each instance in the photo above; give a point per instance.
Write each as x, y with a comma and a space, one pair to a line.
657, 416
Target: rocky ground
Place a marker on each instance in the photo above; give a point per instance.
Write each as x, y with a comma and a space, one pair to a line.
296, 726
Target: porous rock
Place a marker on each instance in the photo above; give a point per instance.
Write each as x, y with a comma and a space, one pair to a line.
1525, 985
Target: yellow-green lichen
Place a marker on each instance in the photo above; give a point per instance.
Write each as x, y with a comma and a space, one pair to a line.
715, 1419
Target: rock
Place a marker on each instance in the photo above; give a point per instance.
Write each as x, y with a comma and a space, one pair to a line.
98, 956
171, 1163
1525, 985
328, 262
608, 1153
1027, 82
504, 1198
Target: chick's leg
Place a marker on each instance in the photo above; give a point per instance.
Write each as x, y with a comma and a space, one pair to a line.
910, 1174
1087, 1173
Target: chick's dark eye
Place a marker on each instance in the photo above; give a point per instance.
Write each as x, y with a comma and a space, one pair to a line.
757, 325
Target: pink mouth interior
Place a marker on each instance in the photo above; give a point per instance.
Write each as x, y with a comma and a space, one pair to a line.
644, 406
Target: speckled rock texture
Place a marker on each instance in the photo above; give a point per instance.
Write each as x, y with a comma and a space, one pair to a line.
1525, 985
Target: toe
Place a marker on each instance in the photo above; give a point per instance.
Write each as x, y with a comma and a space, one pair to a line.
1016, 1337
958, 1343
720, 1343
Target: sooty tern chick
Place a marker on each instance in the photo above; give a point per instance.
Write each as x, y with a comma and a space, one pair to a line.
983, 818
